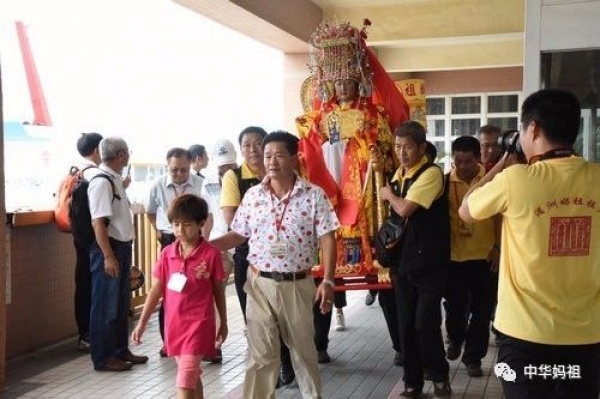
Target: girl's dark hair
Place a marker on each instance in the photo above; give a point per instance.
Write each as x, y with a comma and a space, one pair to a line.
188, 207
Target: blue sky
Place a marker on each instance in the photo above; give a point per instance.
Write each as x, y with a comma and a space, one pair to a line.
150, 71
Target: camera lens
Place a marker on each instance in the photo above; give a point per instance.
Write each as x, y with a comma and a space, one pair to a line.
509, 142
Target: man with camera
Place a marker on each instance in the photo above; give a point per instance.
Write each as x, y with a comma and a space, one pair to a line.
549, 290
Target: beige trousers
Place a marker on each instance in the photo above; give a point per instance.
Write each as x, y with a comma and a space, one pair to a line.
275, 307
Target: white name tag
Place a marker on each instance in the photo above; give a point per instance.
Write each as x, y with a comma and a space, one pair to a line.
278, 248
177, 282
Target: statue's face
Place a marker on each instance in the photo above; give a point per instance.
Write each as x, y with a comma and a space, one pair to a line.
346, 89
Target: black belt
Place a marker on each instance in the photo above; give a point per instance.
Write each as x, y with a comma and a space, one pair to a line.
281, 276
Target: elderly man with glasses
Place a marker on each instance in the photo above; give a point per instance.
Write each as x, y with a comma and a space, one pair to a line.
165, 189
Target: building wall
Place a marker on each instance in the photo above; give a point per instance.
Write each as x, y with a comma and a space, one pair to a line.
295, 72
554, 25
469, 80
40, 311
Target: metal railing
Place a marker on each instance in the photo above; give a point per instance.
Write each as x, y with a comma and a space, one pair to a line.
145, 252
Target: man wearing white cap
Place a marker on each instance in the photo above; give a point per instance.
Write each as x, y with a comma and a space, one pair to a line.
223, 157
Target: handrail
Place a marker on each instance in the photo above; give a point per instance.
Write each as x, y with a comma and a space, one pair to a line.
145, 253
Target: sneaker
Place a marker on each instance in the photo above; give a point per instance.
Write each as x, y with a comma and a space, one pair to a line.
474, 370
83, 344
453, 351
286, 375
442, 389
218, 358
162, 352
369, 299
323, 357
340, 322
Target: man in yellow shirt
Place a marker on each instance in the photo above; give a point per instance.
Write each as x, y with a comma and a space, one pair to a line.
235, 183
419, 280
549, 288
472, 249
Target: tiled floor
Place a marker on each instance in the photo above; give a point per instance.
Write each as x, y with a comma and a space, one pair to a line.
361, 367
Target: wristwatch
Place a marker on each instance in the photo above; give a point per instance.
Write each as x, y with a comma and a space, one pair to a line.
329, 282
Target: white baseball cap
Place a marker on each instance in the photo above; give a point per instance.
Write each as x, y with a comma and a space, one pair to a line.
224, 152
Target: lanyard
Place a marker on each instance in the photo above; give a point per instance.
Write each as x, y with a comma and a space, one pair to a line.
558, 153
286, 201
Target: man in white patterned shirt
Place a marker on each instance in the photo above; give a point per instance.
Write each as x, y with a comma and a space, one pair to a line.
286, 219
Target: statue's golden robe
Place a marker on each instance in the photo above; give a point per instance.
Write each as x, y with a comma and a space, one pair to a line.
347, 149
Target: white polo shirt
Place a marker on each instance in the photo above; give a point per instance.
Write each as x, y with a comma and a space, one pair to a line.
118, 212
163, 192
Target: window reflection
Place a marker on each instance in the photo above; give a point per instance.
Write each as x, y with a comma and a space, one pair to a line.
578, 72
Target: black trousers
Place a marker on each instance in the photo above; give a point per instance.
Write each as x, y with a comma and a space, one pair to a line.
527, 359
322, 322
165, 240
469, 293
387, 301
418, 296
83, 289
240, 270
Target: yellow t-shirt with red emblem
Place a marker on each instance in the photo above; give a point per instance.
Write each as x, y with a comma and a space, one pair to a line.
481, 238
549, 282
427, 188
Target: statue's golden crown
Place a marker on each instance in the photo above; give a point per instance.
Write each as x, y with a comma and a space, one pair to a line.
338, 52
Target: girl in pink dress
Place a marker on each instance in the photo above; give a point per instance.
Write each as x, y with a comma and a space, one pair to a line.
189, 275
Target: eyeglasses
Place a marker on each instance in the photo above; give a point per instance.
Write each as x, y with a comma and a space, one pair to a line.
254, 146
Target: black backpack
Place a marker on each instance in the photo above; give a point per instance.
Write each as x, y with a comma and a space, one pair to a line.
79, 210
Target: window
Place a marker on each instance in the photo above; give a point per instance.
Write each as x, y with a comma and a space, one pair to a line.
579, 72
463, 114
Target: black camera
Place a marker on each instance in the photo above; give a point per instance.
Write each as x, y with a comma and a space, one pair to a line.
509, 142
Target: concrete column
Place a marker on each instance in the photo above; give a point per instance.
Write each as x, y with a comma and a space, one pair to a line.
3, 250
